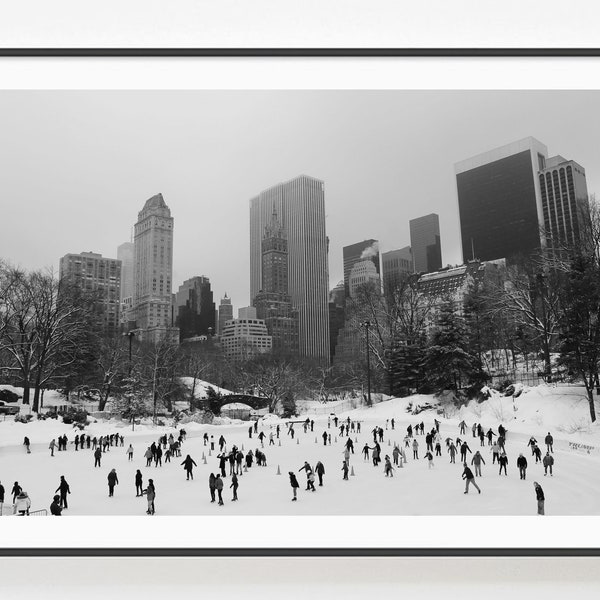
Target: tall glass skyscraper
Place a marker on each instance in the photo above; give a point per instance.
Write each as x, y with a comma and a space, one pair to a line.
300, 206
425, 243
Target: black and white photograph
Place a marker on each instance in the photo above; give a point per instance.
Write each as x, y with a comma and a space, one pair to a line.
299, 303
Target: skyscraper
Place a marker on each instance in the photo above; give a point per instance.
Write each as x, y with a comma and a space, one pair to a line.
300, 205
368, 249
102, 276
153, 265
514, 200
125, 254
273, 303
225, 312
363, 273
396, 264
195, 308
425, 243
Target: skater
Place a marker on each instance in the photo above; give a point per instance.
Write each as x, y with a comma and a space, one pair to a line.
212, 486
261, 437
388, 469
429, 458
503, 461
139, 484
345, 469
539, 494
548, 462
463, 427
538, 455
438, 448
148, 455
324, 436
308, 470
221, 443
490, 434
188, 465
393, 422
250, 432
55, 508
76, 442
16, 490
52, 446
350, 445
22, 504
219, 488
320, 471
64, 489
396, 454
222, 463
271, 439
533, 443
464, 448
27, 443
468, 476
365, 451
277, 431
437, 425
234, 485
476, 462
452, 452
495, 452
212, 442
501, 431
415, 446
2, 491
112, 481
522, 464
97, 457
130, 452
205, 438
295, 485
549, 441
150, 492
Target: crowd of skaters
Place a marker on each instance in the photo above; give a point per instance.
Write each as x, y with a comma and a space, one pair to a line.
238, 461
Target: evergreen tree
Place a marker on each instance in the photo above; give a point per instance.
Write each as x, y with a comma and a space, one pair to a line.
449, 363
214, 400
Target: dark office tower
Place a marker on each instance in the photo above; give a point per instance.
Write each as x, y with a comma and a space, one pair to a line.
565, 204
101, 277
273, 303
300, 206
337, 315
367, 250
425, 243
396, 265
225, 312
195, 308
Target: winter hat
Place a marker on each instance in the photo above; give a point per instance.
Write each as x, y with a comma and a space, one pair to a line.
56, 498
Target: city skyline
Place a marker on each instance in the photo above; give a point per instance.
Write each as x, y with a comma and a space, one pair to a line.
86, 161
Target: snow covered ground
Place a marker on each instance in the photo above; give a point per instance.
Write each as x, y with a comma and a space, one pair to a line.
414, 490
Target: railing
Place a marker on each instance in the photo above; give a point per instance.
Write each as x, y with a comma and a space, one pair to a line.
38, 513
8, 511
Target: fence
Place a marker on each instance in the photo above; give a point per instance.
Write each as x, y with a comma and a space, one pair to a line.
341, 405
7, 510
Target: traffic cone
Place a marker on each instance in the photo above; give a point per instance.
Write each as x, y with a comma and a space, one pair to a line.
203, 458
401, 463
245, 468
356, 439
316, 441
280, 442
351, 471
242, 447
278, 470
336, 439
297, 440
209, 453
389, 442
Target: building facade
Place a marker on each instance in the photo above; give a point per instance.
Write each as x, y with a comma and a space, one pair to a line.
514, 200
244, 338
100, 276
365, 250
153, 267
125, 254
425, 243
195, 308
396, 266
300, 206
225, 313
363, 273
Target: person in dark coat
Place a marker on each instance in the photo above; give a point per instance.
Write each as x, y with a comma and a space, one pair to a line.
549, 441
548, 462
16, 490
345, 470
55, 508
234, 485
464, 448
308, 470
320, 471
27, 443
112, 481
222, 463
188, 465
212, 486
97, 457
2, 492
64, 489
539, 494
324, 436
502, 461
150, 492
139, 483
470, 480
295, 485
522, 465
219, 488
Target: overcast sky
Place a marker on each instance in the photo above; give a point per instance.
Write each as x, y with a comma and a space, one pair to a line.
76, 167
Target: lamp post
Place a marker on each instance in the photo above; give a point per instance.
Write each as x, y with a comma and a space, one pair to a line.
130, 335
366, 325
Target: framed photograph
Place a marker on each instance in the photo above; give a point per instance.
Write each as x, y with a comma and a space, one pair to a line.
207, 233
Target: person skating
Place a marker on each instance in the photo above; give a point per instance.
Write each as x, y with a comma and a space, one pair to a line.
452, 452
2, 492
533, 443
22, 504
429, 442
219, 488
234, 485
261, 437
55, 508
388, 469
549, 441
495, 452
350, 445
548, 462
501, 431
97, 457
365, 451
396, 454
222, 464
212, 486
150, 493
464, 448
188, 465
52, 446
130, 452
463, 427
64, 489
27, 444
470, 480
438, 448
344, 469
139, 483
539, 494
324, 436
113, 480
16, 490
320, 471
376, 454
221, 443
502, 462
415, 446
476, 462
392, 422
308, 470
271, 439
295, 485
538, 455
277, 431
250, 432
490, 434
522, 465
429, 458
205, 438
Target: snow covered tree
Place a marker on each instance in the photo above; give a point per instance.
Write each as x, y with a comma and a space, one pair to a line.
214, 401
449, 363
131, 402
